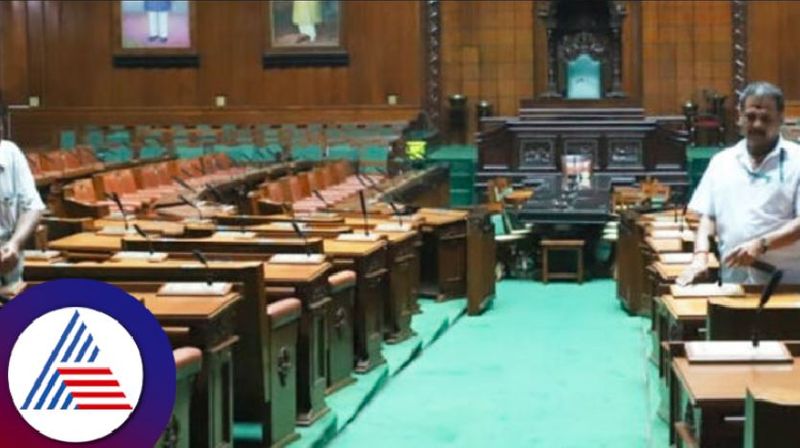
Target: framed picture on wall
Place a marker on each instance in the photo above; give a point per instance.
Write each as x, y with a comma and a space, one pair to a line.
154, 33
305, 33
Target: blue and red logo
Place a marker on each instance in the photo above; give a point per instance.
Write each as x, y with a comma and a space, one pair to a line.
86, 364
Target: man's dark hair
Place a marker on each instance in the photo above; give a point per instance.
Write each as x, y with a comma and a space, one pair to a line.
761, 89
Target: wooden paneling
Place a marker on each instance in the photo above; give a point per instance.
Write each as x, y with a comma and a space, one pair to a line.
686, 49
772, 34
37, 127
487, 54
61, 51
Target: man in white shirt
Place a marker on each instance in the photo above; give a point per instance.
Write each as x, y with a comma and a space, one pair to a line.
750, 196
20, 208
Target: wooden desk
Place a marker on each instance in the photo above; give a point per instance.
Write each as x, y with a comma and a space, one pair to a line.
685, 319
281, 230
444, 253
212, 325
165, 228
400, 304
309, 283
771, 416
87, 246
257, 386
181, 212
481, 260
369, 261
263, 247
314, 219
707, 400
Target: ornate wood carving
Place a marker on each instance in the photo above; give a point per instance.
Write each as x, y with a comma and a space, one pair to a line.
536, 154
433, 75
570, 35
739, 30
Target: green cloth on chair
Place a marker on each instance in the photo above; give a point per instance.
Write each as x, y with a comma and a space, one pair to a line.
67, 139
583, 78
309, 152
342, 152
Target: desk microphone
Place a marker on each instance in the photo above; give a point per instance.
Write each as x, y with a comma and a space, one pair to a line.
115, 197
364, 211
215, 192
775, 278
183, 184
193, 205
145, 236
187, 174
396, 211
683, 216
719, 260
321, 198
202, 258
302, 236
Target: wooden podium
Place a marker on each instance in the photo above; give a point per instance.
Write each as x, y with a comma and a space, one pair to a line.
444, 253
341, 357
309, 283
368, 260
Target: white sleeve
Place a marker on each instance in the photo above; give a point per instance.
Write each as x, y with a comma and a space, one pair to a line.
703, 201
28, 196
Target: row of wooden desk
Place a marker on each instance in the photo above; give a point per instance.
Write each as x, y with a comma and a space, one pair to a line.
275, 367
725, 404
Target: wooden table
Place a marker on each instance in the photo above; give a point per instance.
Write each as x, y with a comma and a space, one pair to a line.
369, 261
309, 283
707, 400
444, 253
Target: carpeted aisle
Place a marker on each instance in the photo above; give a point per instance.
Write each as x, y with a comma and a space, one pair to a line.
556, 365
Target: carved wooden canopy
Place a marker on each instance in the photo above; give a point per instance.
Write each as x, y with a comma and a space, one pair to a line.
576, 27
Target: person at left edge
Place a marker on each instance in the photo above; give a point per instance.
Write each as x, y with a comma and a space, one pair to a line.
20, 207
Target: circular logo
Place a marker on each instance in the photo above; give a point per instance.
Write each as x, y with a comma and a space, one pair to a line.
86, 363
75, 359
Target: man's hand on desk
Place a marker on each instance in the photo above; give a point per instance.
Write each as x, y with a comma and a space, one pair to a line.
9, 257
744, 254
697, 268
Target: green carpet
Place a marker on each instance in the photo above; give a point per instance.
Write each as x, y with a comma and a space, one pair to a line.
346, 403
556, 365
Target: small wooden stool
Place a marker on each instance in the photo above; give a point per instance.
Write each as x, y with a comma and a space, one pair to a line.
562, 245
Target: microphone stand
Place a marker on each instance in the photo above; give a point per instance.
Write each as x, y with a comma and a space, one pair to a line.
193, 205
115, 197
364, 211
322, 198
775, 278
145, 236
202, 258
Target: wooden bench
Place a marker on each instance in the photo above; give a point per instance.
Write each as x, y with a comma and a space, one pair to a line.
562, 245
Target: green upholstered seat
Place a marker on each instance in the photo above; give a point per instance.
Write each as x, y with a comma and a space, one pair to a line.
583, 78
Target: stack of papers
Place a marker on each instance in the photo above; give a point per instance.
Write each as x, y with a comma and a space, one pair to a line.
707, 290
195, 289
736, 351
297, 259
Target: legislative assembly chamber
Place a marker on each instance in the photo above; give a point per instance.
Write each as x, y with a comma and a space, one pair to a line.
428, 223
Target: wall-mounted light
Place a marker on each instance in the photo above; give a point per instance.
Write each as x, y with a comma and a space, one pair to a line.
34, 101
220, 100
391, 99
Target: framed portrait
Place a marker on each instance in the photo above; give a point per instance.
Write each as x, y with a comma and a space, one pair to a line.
154, 33
305, 32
